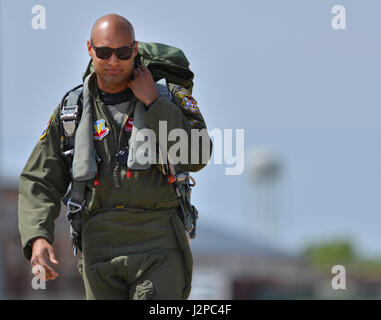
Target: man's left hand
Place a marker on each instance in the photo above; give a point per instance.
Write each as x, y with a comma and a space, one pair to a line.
143, 85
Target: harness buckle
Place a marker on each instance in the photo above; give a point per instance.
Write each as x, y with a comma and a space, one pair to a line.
69, 117
74, 206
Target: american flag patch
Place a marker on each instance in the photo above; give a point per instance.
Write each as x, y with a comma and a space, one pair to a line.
129, 124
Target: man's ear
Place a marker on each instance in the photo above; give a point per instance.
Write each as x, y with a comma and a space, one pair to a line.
89, 47
136, 48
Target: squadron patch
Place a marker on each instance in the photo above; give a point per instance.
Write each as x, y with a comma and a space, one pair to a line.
100, 130
187, 101
45, 132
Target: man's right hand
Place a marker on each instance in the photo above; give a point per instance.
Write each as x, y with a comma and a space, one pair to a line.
42, 251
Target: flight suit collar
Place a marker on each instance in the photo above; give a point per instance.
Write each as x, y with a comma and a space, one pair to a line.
93, 87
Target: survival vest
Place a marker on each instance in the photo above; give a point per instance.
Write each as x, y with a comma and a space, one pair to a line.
163, 61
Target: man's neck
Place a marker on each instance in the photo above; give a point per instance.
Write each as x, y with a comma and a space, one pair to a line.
115, 98
111, 89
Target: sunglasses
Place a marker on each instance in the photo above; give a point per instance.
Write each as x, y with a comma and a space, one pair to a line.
123, 53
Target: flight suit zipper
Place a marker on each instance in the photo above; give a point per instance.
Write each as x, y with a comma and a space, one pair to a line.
116, 173
126, 116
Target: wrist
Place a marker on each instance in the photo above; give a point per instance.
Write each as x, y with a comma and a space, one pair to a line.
152, 101
33, 241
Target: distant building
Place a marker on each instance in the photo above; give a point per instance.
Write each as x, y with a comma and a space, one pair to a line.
231, 266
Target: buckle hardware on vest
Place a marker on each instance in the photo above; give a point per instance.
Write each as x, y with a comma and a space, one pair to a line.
122, 156
68, 153
74, 206
175, 70
181, 178
187, 212
69, 115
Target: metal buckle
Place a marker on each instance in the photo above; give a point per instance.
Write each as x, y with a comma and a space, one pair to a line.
78, 206
69, 115
181, 177
68, 153
193, 181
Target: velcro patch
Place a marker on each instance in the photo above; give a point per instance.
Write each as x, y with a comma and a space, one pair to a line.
187, 101
45, 132
100, 130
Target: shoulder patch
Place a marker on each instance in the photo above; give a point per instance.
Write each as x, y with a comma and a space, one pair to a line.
45, 132
187, 101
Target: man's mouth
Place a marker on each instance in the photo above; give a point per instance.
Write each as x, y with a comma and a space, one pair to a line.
113, 71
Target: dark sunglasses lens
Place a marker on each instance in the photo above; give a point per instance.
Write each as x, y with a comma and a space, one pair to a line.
123, 53
103, 53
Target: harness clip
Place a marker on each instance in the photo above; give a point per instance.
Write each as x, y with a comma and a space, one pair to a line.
77, 206
69, 117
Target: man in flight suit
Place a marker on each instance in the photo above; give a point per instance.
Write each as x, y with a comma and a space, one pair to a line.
133, 242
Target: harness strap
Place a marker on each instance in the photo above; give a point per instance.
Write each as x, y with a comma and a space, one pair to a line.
75, 204
77, 193
73, 99
69, 118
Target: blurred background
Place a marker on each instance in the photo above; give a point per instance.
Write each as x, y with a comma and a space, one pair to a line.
307, 97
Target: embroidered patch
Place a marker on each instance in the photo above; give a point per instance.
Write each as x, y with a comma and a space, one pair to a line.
187, 101
129, 124
45, 132
100, 130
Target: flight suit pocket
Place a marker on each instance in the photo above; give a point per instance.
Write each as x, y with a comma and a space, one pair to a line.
151, 191
179, 229
80, 266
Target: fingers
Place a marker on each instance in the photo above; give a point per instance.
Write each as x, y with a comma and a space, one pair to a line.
44, 273
52, 256
143, 85
133, 77
39, 260
137, 72
50, 274
141, 73
141, 70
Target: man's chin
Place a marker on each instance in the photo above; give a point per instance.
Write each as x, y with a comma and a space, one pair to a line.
115, 80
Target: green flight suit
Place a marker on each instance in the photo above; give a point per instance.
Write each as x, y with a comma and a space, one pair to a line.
133, 243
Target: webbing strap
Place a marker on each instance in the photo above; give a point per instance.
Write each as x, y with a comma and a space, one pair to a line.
78, 191
77, 198
73, 97
64, 139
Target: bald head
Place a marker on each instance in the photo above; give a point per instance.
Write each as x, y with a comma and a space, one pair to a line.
113, 72
112, 25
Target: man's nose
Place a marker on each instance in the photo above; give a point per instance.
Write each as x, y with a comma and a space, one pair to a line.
113, 59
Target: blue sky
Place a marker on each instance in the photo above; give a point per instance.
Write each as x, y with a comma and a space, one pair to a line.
273, 68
